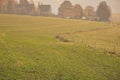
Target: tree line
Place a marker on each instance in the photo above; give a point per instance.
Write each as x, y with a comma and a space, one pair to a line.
66, 10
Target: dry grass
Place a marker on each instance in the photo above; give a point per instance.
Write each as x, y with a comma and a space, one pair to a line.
107, 40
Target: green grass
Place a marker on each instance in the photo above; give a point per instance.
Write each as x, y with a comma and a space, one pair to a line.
107, 39
30, 51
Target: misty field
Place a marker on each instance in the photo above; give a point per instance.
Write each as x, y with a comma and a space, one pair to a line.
106, 39
29, 49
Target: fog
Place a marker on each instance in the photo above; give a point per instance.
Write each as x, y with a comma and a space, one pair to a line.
115, 4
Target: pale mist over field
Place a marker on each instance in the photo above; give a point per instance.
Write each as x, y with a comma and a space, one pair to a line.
115, 4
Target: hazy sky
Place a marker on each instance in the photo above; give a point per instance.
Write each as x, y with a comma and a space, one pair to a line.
115, 4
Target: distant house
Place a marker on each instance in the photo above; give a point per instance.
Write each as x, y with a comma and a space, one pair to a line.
44, 10
24, 7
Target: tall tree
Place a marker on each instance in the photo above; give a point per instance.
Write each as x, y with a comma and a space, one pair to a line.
65, 9
89, 13
104, 11
23, 7
3, 6
78, 11
11, 6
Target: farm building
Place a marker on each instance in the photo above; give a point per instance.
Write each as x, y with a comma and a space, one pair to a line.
24, 7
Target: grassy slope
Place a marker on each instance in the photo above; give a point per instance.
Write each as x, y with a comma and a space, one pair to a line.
30, 51
107, 39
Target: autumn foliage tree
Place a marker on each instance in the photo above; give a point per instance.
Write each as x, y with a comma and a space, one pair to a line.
89, 13
65, 9
78, 11
103, 11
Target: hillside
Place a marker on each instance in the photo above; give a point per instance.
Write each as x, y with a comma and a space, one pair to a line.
29, 50
106, 39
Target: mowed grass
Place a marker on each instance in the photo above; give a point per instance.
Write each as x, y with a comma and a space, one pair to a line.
30, 51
